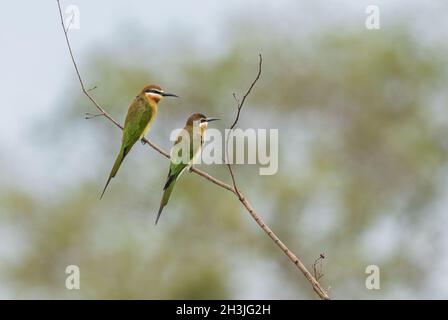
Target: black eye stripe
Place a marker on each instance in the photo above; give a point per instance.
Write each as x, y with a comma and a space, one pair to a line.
153, 91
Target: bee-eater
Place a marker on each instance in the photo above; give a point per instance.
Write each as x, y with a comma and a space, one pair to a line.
141, 114
190, 138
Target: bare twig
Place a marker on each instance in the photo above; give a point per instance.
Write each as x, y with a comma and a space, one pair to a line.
91, 89
318, 267
317, 288
91, 115
241, 103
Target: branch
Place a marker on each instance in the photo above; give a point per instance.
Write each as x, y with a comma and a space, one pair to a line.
318, 267
241, 103
322, 294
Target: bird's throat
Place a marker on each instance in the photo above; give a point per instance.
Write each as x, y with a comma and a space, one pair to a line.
153, 100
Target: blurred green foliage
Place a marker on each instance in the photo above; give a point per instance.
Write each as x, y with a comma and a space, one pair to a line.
361, 156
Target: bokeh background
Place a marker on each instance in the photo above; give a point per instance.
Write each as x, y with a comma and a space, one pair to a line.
363, 149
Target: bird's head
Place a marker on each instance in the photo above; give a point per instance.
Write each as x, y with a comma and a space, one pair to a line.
201, 119
155, 93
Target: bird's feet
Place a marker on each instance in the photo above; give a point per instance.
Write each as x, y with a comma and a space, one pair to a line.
142, 140
190, 170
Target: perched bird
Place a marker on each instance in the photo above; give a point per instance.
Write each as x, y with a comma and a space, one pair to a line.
141, 114
191, 138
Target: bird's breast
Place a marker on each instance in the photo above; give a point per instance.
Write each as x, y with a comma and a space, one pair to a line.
153, 114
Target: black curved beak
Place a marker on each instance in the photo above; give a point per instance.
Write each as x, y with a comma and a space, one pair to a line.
166, 94
211, 119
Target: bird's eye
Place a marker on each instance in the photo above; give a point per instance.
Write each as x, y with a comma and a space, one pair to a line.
152, 91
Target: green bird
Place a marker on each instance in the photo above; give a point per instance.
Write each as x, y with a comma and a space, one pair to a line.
140, 116
190, 139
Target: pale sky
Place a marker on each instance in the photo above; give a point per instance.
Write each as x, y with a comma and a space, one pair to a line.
35, 66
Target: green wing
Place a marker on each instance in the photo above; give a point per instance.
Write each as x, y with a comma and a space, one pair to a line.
139, 115
177, 167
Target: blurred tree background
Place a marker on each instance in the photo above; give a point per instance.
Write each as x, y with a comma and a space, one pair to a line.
362, 170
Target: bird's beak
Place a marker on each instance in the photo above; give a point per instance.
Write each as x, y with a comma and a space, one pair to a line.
211, 119
166, 94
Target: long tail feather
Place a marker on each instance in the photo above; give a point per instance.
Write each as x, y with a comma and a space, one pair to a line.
115, 168
168, 188
105, 187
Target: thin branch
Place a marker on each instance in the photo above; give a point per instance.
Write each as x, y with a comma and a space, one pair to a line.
83, 88
318, 267
91, 89
239, 107
322, 294
91, 115
316, 286
241, 103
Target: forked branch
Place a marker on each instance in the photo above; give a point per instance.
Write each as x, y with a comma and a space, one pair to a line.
240, 102
316, 286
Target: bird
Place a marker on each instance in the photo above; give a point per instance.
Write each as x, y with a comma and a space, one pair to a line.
141, 113
190, 138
